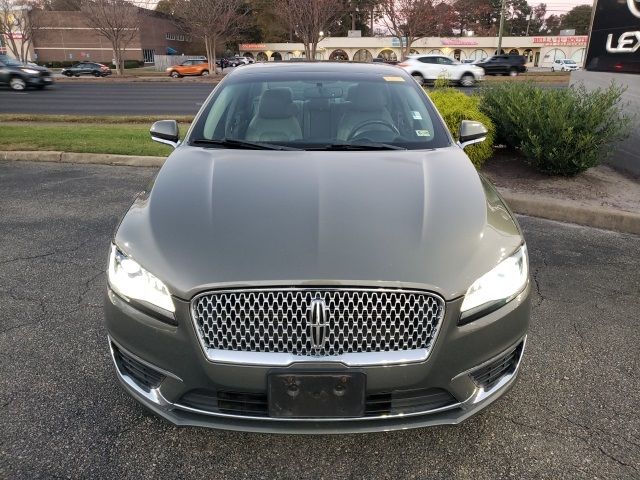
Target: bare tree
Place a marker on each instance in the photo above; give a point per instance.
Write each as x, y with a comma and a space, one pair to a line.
116, 20
307, 18
411, 20
214, 21
19, 26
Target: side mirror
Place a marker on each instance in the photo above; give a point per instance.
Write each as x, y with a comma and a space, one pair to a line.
166, 131
471, 132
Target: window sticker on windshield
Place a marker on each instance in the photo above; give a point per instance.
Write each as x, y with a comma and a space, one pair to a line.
416, 115
423, 133
394, 79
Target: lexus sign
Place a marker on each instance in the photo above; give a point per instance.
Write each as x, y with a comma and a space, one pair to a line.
614, 44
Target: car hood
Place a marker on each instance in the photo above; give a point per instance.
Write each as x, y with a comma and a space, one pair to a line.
234, 218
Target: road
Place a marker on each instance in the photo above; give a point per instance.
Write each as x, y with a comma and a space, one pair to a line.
573, 413
109, 98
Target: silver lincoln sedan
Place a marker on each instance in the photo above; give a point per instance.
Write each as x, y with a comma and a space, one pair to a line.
317, 255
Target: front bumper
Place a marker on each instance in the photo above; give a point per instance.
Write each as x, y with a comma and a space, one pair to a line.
174, 353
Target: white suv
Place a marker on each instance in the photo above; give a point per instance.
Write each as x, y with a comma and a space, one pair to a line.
564, 65
428, 68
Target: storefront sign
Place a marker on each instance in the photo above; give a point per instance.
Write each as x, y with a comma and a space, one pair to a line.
253, 46
571, 41
457, 41
614, 45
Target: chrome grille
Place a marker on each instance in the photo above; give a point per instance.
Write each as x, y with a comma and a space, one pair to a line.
277, 320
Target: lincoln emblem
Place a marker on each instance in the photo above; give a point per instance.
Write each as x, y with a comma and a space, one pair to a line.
318, 317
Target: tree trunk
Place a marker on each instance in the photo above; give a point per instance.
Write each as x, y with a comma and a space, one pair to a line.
353, 20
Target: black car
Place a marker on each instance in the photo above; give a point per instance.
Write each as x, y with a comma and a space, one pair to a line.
87, 68
19, 75
504, 65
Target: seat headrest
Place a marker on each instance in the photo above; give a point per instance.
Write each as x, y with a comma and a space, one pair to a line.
367, 97
276, 103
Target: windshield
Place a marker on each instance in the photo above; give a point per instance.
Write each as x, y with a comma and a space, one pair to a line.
569, 61
10, 62
320, 110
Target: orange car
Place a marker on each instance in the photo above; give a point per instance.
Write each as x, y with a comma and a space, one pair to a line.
189, 67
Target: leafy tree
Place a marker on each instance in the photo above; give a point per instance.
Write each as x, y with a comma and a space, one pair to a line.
578, 18
168, 7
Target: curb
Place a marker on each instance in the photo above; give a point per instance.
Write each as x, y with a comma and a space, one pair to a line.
91, 158
570, 212
524, 204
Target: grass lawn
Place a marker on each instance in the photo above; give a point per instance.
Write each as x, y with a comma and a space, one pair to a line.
123, 139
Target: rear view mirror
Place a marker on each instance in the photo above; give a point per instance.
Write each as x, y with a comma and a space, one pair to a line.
471, 132
166, 131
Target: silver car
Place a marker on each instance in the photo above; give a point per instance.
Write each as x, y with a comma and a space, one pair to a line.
317, 255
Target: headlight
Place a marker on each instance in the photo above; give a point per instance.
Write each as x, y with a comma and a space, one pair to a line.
499, 285
29, 70
130, 280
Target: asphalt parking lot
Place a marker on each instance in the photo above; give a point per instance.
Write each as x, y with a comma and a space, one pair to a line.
573, 414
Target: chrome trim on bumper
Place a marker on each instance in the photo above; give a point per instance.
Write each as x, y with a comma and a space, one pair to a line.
156, 400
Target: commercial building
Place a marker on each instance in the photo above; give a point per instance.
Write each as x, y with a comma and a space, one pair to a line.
66, 36
540, 51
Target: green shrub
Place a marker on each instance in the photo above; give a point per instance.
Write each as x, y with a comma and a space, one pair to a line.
455, 106
560, 131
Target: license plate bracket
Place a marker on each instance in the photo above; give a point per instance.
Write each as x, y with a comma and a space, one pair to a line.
316, 395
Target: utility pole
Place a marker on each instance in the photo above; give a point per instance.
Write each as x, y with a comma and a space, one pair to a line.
499, 51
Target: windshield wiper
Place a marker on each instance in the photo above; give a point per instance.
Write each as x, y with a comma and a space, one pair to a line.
230, 142
357, 146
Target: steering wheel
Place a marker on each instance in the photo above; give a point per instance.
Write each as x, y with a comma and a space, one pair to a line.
355, 131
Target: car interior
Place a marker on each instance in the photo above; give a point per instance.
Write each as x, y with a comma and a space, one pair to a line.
320, 112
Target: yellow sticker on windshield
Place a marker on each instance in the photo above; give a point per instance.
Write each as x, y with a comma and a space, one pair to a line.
394, 79
423, 133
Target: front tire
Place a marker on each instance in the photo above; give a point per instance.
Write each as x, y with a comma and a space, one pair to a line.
467, 80
174, 74
513, 72
205, 73
418, 78
17, 84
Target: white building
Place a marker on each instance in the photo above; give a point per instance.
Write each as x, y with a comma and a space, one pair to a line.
540, 51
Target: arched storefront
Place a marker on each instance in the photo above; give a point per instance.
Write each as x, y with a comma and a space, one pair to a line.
459, 54
413, 51
262, 57
578, 56
339, 55
276, 57
502, 52
362, 55
553, 55
388, 55
514, 51
528, 53
289, 56
248, 55
478, 54
436, 51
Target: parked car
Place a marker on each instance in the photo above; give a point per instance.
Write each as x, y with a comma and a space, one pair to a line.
238, 61
318, 254
564, 65
87, 68
19, 76
189, 67
428, 68
504, 65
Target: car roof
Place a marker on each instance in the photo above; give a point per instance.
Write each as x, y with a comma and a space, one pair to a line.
319, 67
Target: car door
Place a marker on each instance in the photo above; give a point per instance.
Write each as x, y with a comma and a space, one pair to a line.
428, 67
448, 68
4, 73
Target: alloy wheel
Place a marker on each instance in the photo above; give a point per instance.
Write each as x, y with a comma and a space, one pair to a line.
18, 84
467, 80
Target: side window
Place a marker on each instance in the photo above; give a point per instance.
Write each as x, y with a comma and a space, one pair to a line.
444, 61
426, 59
